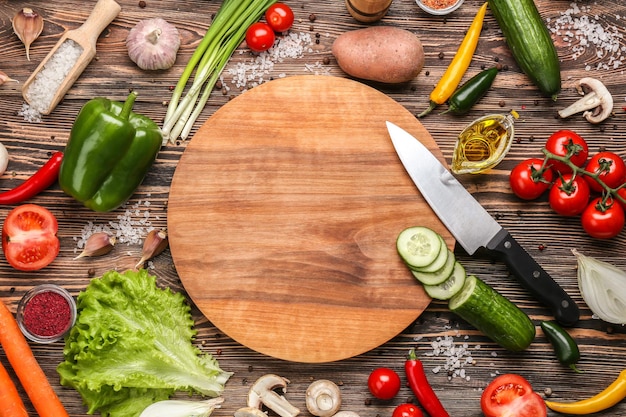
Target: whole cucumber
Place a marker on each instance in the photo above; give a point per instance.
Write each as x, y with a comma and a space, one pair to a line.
528, 38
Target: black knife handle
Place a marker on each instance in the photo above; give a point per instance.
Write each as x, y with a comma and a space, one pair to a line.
534, 278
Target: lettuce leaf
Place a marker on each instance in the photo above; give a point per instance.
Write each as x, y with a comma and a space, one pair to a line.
132, 346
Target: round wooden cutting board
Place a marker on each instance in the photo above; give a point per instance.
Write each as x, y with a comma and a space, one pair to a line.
283, 216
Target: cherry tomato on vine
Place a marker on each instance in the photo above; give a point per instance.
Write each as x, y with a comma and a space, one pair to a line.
603, 220
527, 180
511, 395
610, 168
384, 383
29, 237
622, 193
407, 410
280, 17
569, 196
260, 37
564, 143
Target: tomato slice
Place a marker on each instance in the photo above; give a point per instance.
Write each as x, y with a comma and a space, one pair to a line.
511, 395
29, 237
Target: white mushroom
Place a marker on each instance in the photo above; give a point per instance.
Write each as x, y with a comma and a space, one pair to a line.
262, 393
249, 412
323, 398
346, 414
596, 104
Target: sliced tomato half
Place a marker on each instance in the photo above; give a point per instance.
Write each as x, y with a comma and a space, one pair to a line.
29, 237
510, 395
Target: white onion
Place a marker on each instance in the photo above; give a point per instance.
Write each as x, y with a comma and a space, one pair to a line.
603, 287
179, 408
4, 159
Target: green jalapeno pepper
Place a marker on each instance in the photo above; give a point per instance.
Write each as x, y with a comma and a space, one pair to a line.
462, 100
108, 154
565, 346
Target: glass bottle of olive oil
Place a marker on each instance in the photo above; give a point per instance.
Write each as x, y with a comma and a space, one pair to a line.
484, 143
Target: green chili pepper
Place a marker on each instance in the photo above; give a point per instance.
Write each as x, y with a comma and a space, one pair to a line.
462, 100
108, 154
565, 346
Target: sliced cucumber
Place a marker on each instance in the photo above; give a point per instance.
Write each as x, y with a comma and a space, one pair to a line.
418, 246
450, 286
439, 276
439, 261
493, 314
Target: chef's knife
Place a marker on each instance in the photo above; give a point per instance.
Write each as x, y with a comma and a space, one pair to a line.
473, 227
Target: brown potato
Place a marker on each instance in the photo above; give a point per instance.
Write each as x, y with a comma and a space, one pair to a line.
380, 53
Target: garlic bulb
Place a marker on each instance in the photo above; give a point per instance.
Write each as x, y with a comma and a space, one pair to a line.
603, 287
152, 44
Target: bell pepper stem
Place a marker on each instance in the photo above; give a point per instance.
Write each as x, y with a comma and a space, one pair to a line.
128, 105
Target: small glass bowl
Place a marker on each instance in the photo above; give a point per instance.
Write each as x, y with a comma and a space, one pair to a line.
28, 297
439, 12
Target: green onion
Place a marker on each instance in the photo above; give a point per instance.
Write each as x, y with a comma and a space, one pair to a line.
221, 40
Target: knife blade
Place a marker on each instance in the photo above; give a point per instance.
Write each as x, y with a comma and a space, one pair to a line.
473, 227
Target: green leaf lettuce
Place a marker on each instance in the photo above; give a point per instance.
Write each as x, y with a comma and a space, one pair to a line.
132, 346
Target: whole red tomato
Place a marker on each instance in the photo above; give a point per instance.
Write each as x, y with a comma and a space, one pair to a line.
260, 37
610, 168
407, 410
569, 195
511, 395
567, 143
29, 237
603, 220
529, 180
280, 17
384, 383
622, 193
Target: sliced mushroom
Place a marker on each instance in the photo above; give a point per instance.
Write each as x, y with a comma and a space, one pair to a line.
262, 393
249, 412
323, 398
346, 414
596, 104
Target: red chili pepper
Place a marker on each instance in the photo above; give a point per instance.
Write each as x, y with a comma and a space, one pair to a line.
42, 179
421, 387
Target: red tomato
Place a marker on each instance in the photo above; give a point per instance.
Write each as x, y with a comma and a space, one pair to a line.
511, 395
384, 383
564, 143
280, 17
603, 221
610, 168
622, 193
407, 410
29, 237
528, 181
569, 195
260, 37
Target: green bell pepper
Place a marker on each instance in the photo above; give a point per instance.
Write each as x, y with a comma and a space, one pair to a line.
108, 154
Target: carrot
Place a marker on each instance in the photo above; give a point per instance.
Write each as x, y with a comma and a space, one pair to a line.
27, 369
11, 404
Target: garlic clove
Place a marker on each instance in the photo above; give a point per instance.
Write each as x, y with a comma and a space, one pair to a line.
4, 78
27, 25
153, 44
154, 244
98, 244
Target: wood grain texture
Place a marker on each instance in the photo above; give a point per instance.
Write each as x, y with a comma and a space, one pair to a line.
547, 236
293, 212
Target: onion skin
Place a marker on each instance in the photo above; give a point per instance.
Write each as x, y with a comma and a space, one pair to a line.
153, 44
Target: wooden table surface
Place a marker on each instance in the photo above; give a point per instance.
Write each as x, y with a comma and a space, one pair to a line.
547, 236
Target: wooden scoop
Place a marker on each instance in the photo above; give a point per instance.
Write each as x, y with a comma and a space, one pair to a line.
85, 36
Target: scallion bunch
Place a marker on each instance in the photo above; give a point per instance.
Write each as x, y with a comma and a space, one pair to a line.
224, 35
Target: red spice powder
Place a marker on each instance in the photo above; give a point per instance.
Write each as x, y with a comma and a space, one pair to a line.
47, 314
439, 4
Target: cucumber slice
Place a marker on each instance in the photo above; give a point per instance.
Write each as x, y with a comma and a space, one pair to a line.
439, 261
439, 276
450, 286
418, 246
493, 314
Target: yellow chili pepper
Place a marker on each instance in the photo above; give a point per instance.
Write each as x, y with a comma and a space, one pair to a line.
455, 71
612, 395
